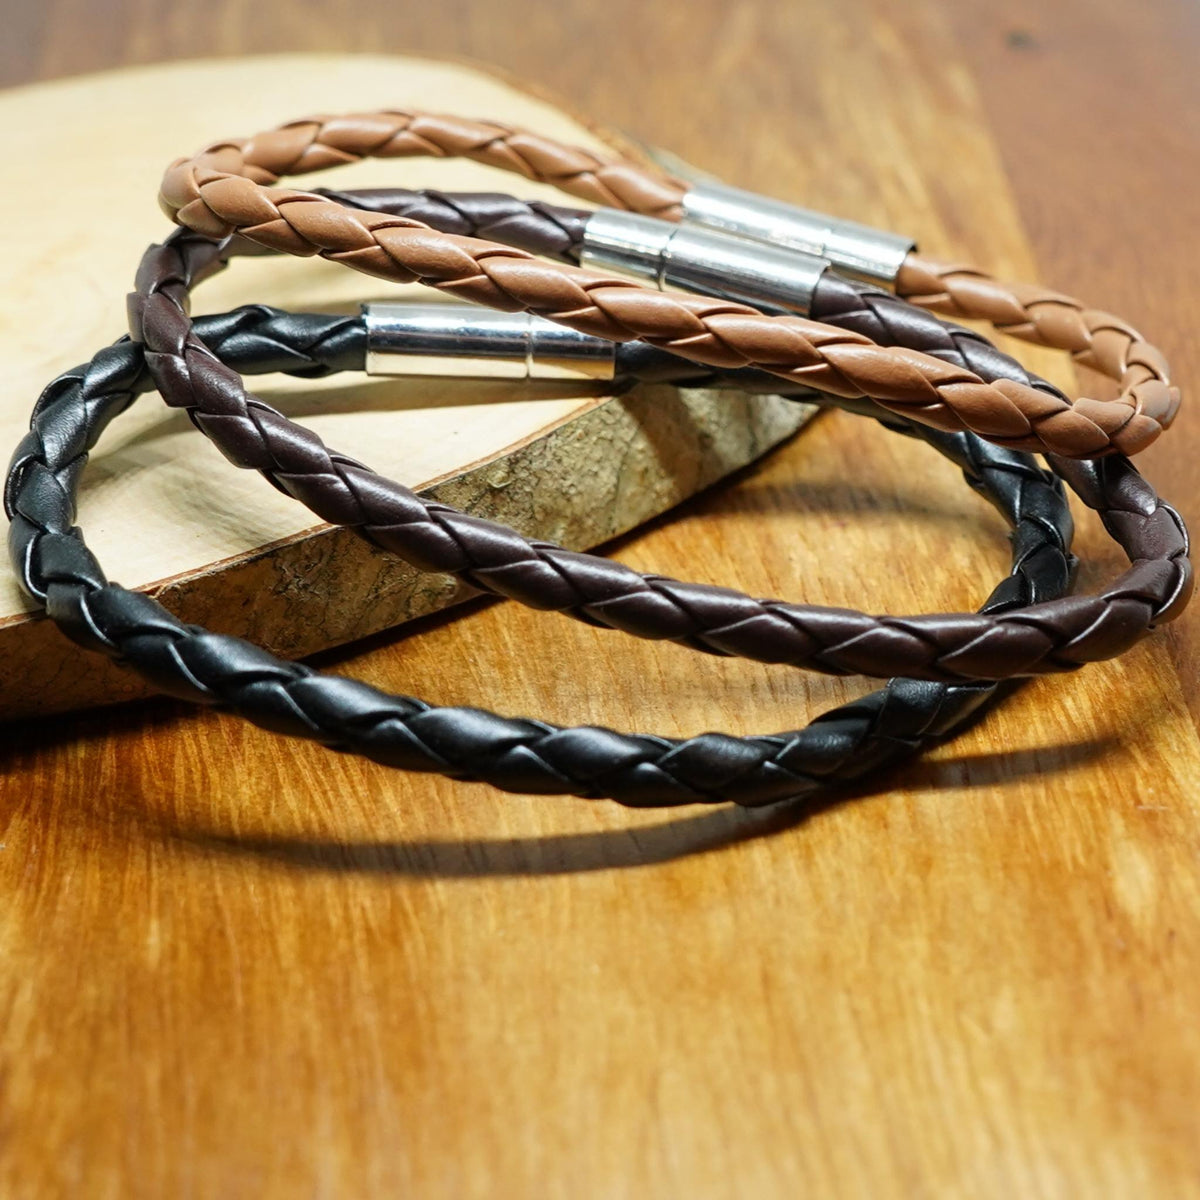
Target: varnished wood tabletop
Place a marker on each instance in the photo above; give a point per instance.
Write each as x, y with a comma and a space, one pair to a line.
236, 966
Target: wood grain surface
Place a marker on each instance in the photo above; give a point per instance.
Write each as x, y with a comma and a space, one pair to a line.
237, 966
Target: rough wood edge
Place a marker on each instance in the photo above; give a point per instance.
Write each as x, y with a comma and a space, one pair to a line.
585, 481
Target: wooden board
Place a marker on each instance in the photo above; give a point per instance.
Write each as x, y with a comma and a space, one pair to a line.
235, 966
217, 545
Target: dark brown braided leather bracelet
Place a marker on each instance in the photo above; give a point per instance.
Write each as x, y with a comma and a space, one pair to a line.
841, 746
1046, 638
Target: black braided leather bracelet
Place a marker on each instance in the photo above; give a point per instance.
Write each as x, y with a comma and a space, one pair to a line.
1054, 636
518, 755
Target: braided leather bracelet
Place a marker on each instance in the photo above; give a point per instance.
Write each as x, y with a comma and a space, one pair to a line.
519, 755
222, 190
1050, 637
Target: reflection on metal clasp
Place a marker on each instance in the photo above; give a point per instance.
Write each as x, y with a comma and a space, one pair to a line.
707, 261
874, 255
466, 340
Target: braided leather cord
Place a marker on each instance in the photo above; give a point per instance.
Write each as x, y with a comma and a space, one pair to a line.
1094, 338
222, 190
950, 648
548, 229
317, 143
56, 567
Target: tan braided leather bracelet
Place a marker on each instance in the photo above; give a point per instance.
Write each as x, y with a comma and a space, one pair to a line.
225, 188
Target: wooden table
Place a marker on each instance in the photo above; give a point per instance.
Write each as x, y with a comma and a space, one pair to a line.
237, 966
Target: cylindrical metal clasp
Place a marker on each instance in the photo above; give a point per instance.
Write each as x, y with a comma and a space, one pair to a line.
874, 255
466, 340
701, 260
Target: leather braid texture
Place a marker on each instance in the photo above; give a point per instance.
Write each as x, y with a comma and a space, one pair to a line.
321, 142
222, 190
1051, 637
56, 567
1094, 338
547, 229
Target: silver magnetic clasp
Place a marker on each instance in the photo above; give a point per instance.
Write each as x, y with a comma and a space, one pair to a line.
700, 260
874, 255
466, 340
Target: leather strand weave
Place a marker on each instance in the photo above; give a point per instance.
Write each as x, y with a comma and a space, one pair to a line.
223, 189
318, 143
950, 648
1094, 338
548, 229
520, 755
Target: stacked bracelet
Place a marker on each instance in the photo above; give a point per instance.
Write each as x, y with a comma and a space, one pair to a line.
766, 270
